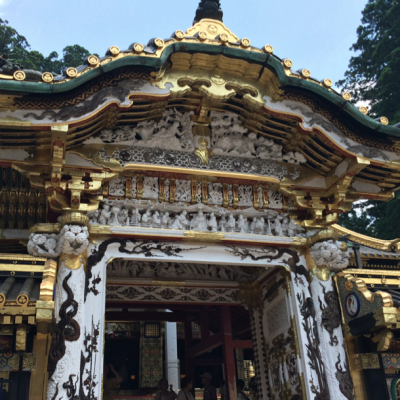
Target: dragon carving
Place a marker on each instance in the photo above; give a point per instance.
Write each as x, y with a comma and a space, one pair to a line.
67, 328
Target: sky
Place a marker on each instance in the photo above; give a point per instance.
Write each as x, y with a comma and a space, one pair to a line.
314, 34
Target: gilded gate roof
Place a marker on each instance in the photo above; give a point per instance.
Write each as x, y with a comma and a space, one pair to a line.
204, 72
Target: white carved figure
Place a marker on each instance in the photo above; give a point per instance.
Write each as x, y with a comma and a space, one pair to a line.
135, 218
212, 223
150, 188
183, 220
146, 218
259, 225
330, 253
105, 215
176, 223
222, 223
199, 222
165, 220
292, 228
231, 225
93, 217
253, 225
114, 216
241, 225
278, 228
123, 217
156, 221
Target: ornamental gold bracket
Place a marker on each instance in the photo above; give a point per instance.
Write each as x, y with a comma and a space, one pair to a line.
72, 190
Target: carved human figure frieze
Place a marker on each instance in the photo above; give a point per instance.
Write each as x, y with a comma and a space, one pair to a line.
139, 269
73, 239
330, 253
172, 132
197, 217
229, 137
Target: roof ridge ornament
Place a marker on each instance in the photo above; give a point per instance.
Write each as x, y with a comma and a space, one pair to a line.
208, 9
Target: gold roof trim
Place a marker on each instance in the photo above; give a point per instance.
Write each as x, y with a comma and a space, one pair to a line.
384, 245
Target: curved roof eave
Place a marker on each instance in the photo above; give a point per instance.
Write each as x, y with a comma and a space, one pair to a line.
157, 62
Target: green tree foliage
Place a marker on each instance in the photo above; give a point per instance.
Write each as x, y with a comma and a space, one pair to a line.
374, 76
374, 73
374, 218
17, 48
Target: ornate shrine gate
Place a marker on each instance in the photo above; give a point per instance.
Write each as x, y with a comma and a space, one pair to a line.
291, 346
198, 150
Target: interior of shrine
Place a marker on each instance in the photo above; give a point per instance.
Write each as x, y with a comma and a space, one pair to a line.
146, 341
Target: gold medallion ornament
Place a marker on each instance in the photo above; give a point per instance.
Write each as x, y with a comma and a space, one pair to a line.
203, 35
363, 109
245, 42
327, 83
384, 121
288, 63
224, 38
159, 43
213, 29
93, 61
138, 48
305, 73
72, 72
179, 35
19, 75
346, 96
47, 77
114, 50
268, 49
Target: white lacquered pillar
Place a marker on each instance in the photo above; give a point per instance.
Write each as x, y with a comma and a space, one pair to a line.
69, 298
171, 356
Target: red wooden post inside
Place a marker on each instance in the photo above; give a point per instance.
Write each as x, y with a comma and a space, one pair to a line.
229, 355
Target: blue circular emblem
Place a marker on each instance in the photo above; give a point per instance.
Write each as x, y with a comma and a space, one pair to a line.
352, 305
